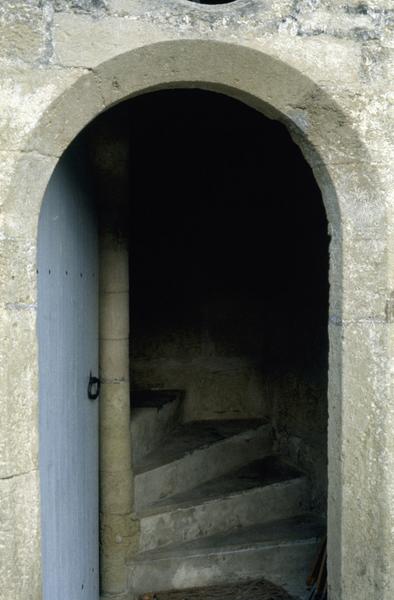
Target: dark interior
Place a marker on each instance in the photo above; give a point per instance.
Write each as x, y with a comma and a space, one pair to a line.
224, 205
228, 266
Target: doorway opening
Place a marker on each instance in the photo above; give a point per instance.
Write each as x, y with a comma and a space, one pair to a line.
229, 310
228, 259
229, 270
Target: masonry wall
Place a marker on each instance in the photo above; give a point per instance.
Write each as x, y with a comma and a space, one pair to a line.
327, 66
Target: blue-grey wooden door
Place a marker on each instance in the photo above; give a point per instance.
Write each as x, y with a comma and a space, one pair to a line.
68, 352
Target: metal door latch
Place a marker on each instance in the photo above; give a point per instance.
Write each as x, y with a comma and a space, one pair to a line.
93, 387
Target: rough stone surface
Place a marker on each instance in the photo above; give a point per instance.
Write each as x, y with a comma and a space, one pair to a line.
24, 95
260, 590
19, 524
19, 406
281, 550
325, 68
118, 532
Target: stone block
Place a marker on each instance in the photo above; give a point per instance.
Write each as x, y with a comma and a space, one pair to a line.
67, 114
120, 534
114, 360
94, 7
81, 41
361, 454
115, 404
23, 33
324, 114
371, 113
114, 315
116, 492
209, 64
18, 273
356, 198
115, 426
114, 576
25, 96
114, 266
377, 62
23, 180
323, 60
18, 391
119, 538
367, 420
361, 196
20, 537
359, 286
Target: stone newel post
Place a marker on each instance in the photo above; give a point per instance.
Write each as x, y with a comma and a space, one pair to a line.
118, 529
115, 448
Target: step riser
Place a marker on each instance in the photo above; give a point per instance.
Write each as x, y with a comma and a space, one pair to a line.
201, 465
258, 505
149, 426
285, 565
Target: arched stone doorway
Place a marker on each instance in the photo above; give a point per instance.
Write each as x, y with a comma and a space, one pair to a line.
229, 276
335, 153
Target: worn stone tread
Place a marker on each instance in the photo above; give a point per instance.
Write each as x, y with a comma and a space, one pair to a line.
192, 436
295, 530
269, 470
250, 590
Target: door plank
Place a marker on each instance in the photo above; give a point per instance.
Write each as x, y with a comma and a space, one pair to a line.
68, 351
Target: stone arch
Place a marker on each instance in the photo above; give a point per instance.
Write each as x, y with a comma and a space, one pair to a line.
356, 216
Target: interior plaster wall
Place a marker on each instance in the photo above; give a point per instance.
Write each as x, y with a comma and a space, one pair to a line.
325, 68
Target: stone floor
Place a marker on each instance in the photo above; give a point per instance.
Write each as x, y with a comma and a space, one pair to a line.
254, 590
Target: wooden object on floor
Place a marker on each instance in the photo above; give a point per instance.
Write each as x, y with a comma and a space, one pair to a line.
317, 580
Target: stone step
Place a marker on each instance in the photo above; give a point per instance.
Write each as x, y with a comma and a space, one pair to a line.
280, 551
196, 452
151, 424
261, 491
244, 590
